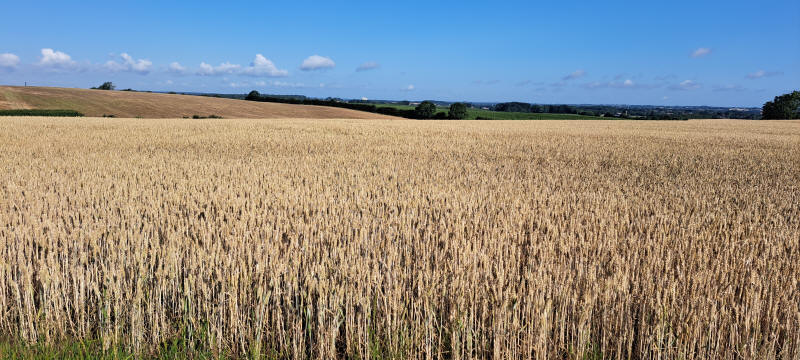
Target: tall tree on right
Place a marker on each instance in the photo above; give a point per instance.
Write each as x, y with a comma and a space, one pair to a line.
786, 106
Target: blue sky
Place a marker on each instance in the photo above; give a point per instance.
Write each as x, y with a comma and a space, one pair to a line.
727, 53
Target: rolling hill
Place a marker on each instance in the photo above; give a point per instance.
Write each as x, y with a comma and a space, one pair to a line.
155, 105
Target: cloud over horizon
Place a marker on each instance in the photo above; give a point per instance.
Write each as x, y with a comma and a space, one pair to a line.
9, 61
574, 75
685, 85
261, 66
55, 59
316, 62
221, 69
176, 68
626, 84
141, 66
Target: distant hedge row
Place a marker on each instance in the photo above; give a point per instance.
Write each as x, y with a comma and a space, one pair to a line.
255, 96
40, 112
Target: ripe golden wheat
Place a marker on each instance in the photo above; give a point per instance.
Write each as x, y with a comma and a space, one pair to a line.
405, 239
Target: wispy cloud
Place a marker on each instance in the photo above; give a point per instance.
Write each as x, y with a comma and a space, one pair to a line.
316, 62
9, 61
700, 52
666, 77
574, 75
221, 69
176, 68
56, 59
685, 85
761, 73
625, 84
128, 63
369, 65
247, 84
730, 87
524, 83
408, 88
261, 66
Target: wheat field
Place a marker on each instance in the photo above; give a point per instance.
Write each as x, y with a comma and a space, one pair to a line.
403, 239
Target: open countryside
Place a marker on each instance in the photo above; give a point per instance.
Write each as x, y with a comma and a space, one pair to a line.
418, 180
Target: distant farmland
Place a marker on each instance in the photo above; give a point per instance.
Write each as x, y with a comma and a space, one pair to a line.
473, 113
130, 104
357, 239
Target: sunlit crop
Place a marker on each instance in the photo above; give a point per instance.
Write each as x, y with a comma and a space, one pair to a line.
403, 239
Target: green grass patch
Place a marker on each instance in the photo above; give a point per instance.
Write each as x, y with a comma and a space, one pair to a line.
40, 112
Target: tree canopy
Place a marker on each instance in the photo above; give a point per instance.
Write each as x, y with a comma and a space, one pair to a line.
253, 95
108, 85
786, 106
425, 110
458, 111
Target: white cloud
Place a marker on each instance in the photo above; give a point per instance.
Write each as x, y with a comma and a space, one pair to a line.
221, 69
409, 88
262, 66
177, 68
665, 98
244, 84
369, 65
575, 74
56, 59
627, 84
316, 62
685, 85
700, 52
128, 63
761, 73
288, 84
9, 61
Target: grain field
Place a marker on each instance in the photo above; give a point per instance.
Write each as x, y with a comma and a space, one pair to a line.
403, 239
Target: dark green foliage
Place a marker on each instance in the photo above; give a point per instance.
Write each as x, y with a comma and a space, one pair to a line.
40, 112
425, 110
513, 107
253, 95
786, 106
440, 115
108, 85
458, 111
212, 116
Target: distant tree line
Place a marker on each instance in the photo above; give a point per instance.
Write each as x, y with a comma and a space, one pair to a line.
786, 106
639, 112
425, 110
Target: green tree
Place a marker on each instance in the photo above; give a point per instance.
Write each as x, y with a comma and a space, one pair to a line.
458, 111
253, 95
425, 110
108, 85
786, 106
